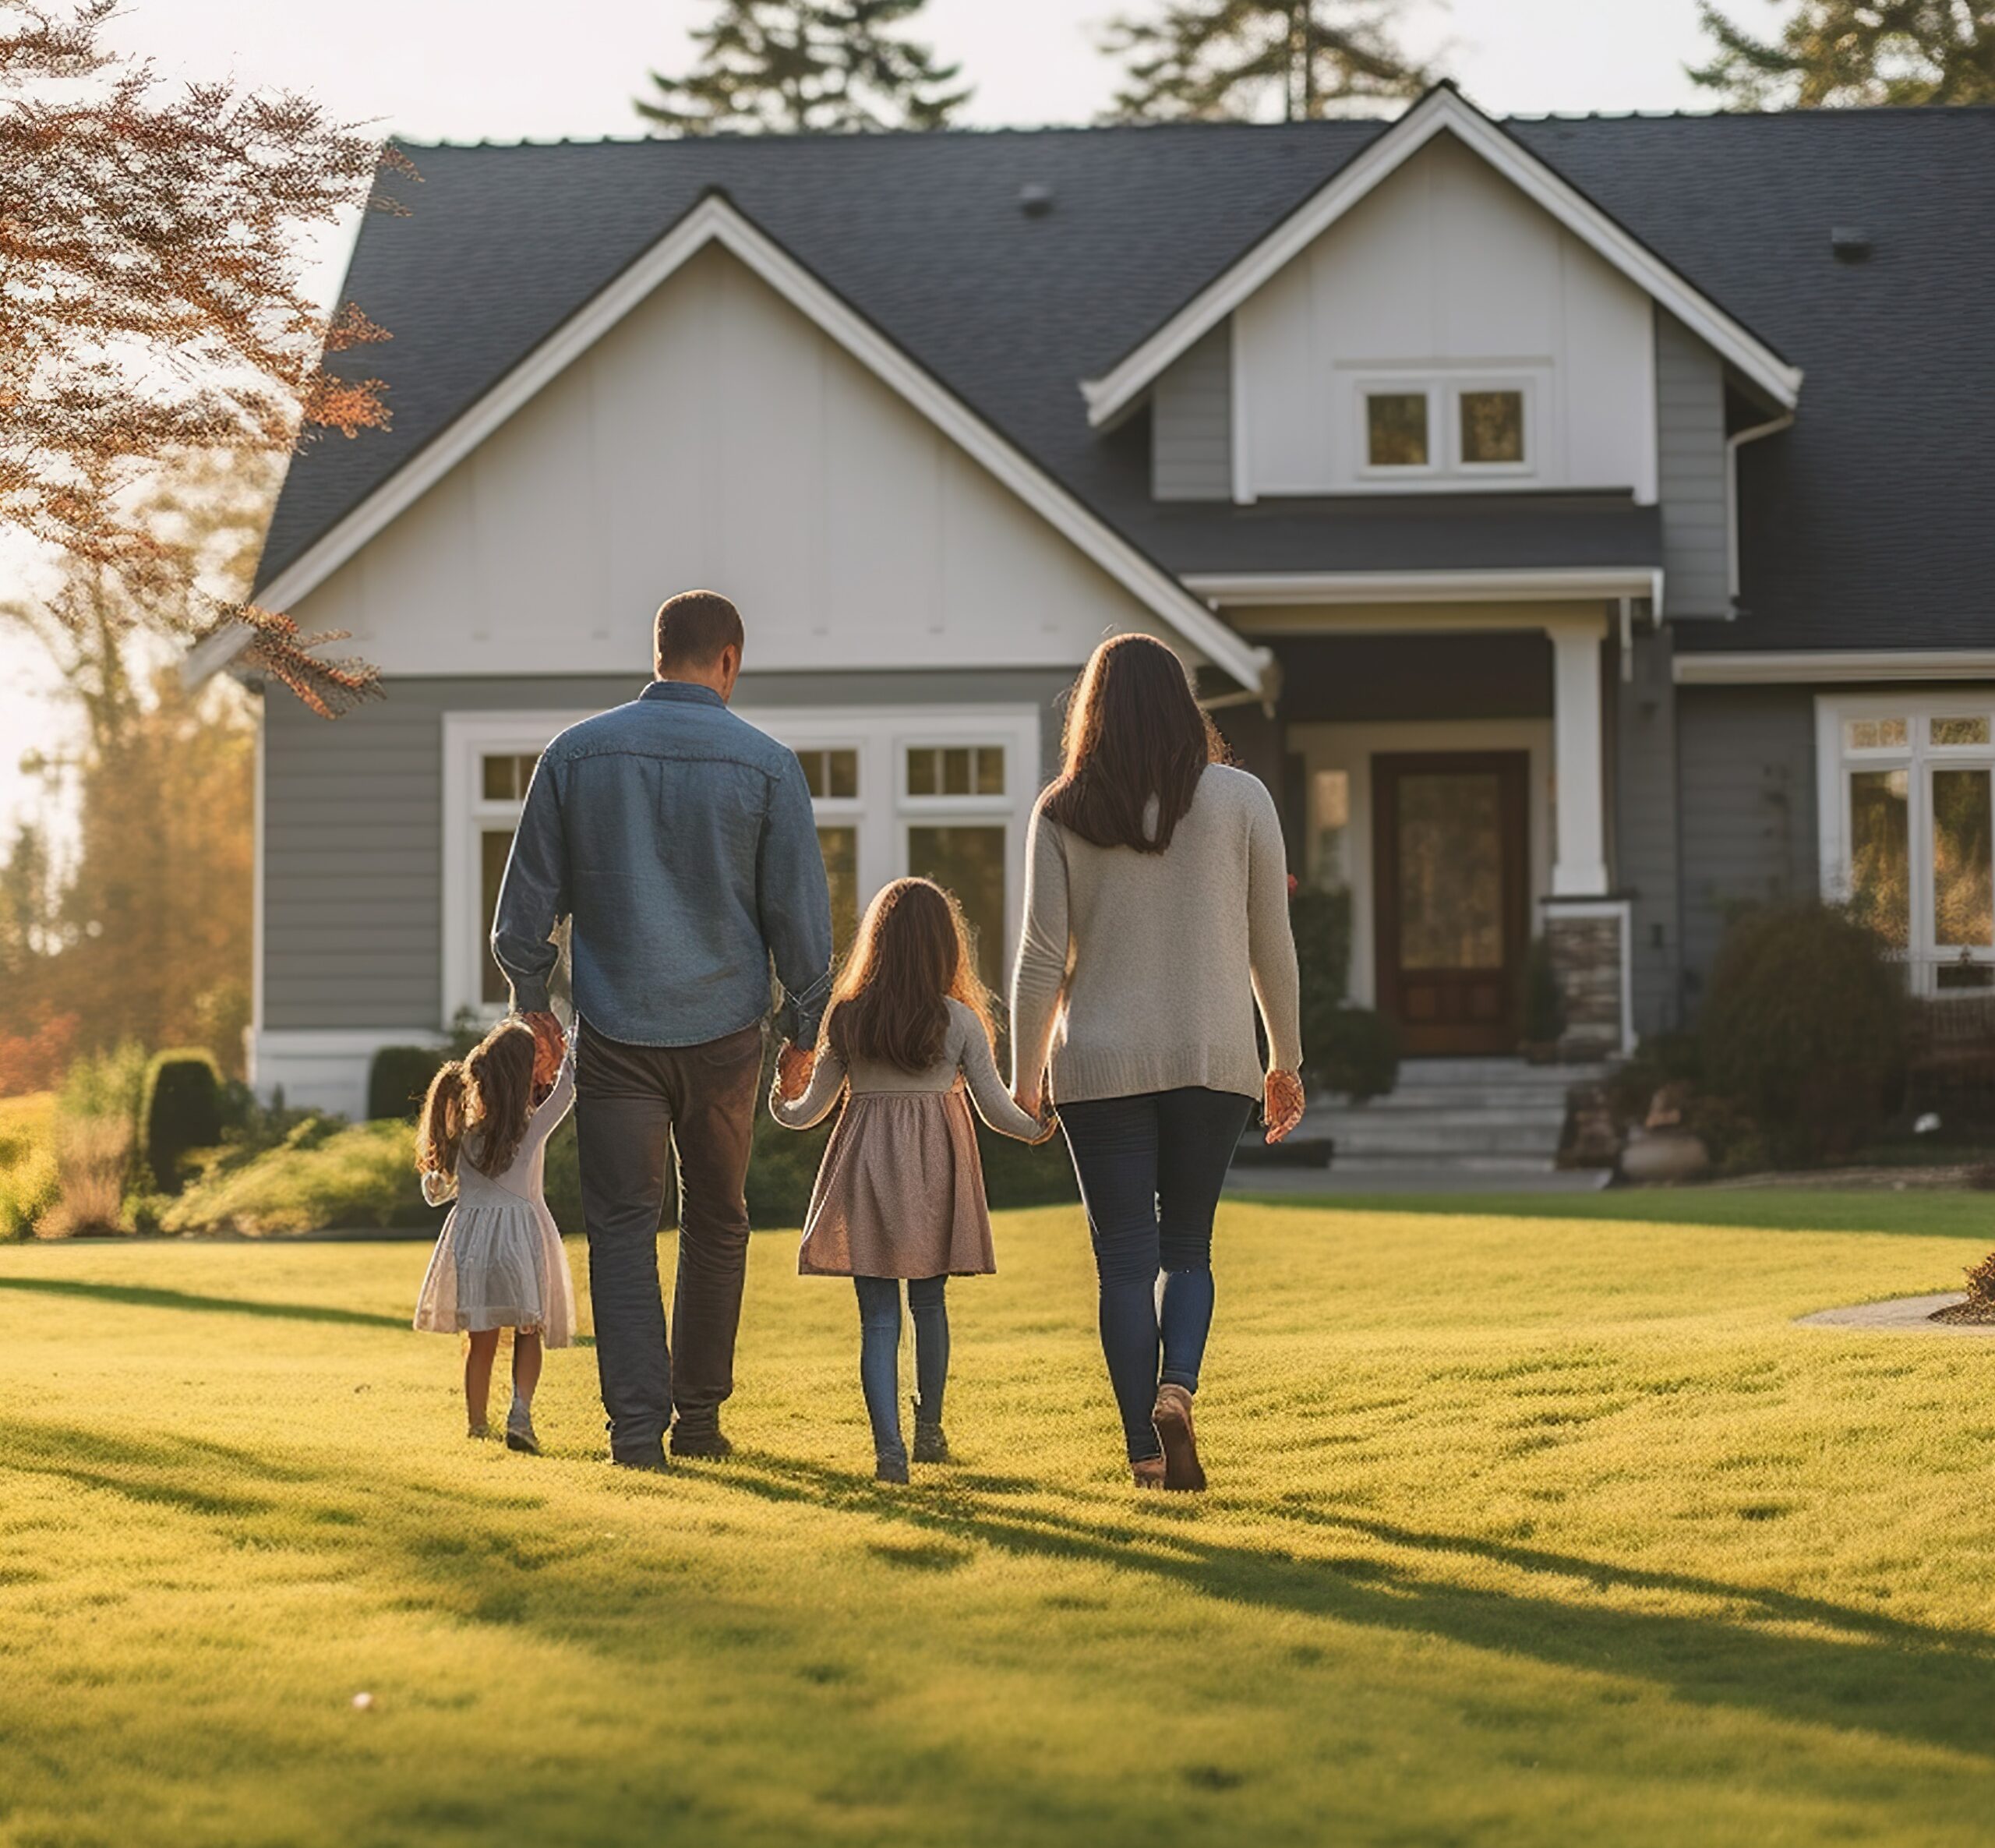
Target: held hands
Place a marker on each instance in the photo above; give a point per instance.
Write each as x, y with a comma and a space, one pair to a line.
1031, 1100
550, 1046
794, 1066
1282, 1103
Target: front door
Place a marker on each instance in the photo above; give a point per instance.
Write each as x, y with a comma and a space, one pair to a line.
1451, 876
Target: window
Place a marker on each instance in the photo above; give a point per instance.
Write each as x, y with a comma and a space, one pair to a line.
1908, 819
1395, 429
946, 793
1329, 803
1492, 427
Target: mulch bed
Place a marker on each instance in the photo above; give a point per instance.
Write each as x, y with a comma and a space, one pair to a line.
1982, 1314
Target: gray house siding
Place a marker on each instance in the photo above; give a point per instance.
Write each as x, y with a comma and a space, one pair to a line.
1192, 423
353, 824
1690, 437
1746, 779
1645, 829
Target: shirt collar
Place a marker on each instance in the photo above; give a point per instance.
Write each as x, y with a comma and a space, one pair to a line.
689, 692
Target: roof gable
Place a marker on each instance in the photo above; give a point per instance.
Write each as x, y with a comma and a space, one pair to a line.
1442, 111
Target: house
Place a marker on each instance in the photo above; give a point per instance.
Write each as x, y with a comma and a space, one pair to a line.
1582, 524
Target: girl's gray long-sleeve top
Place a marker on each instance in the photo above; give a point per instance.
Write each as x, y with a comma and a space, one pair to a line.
966, 1051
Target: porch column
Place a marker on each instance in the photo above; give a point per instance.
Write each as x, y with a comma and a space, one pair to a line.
1579, 868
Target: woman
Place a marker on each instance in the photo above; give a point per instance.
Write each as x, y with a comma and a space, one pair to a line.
1157, 916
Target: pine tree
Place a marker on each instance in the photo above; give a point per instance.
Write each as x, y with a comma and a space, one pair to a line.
791, 66
1219, 60
1849, 52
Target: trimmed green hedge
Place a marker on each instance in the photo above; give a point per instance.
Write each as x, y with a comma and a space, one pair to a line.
179, 1110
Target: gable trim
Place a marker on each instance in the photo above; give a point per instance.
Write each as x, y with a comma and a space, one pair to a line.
1442, 110
715, 220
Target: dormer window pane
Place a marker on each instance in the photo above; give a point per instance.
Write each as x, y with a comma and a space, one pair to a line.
1396, 426
1492, 426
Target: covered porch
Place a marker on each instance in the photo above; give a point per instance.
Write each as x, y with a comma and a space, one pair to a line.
1451, 764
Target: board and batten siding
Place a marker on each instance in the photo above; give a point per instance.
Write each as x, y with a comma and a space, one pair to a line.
716, 435
1690, 466
1445, 276
353, 821
1192, 423
1745, 782
1645, 831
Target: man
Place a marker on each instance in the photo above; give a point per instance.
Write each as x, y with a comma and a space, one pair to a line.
681, 842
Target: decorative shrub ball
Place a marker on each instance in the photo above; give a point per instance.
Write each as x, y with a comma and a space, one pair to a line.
397, 1079
180, 1109
1803, 1026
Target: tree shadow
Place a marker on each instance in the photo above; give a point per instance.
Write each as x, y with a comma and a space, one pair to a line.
1870, 1672
134, 1296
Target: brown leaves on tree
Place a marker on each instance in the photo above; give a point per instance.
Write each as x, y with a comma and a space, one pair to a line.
150, 304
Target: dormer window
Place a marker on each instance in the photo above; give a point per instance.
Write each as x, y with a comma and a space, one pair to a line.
1492, 428
1396, 429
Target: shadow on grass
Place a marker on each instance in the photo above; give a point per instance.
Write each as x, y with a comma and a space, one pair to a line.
1930, 1213
1792, 1658
133, 1296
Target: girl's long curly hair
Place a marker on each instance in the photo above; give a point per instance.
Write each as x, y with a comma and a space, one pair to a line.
913, 956
487, 1094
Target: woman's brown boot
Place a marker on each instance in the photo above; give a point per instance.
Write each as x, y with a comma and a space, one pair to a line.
1172, 1416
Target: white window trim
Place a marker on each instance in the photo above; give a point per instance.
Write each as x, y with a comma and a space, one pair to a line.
1833, 762
468, 738
882, 812
1526, 386
1368, 385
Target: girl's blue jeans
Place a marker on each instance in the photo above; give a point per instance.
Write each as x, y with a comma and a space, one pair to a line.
880, 1355
1151, 1168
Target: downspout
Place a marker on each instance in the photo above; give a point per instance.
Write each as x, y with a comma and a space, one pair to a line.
1733, 446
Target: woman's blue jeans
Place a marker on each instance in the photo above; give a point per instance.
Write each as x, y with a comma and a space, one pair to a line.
1151, 1168
880, 1355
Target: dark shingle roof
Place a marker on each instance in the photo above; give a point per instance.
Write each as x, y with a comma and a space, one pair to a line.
1867, 524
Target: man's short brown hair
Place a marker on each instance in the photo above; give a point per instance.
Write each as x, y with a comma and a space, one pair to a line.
693, 628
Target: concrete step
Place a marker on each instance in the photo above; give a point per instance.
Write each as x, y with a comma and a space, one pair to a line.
1455, 1115
1355, 1166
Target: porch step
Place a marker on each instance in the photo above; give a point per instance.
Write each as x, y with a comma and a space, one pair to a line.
1455, 1115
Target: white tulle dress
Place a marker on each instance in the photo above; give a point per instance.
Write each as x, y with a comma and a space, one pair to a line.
499, 1262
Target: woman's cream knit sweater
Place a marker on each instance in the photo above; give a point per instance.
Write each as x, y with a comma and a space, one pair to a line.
1140, 972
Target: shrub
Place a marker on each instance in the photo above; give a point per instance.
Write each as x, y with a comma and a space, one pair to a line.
1803, 1027
181, 1110
397, 1079
1981, 1283
324, 1175
1661, 1058
34, 1060
27, 1163
95, 1139
1360, 1055
1321, 922
1545, 1000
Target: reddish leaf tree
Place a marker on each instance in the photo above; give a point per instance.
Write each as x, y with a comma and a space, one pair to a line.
150, 304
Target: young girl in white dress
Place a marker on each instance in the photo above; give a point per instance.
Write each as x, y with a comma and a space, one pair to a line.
499, 1262
899, 1195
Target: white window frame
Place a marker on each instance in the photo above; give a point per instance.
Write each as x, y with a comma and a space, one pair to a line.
468, 739
1918, 758
1526, 388
1370, 385
882, 812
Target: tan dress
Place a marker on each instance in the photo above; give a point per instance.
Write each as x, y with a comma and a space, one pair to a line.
900, 1193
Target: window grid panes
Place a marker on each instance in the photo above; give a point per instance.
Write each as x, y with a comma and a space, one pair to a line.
955, 770
832, 774
1395, 429
1877, 734
505, 776
1492, 427
1968, 730
1963, 886
840, 848
1880, 859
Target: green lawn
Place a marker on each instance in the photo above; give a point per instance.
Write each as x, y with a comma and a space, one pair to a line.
1524, 1530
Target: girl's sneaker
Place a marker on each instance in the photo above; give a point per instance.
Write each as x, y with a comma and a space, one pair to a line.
890, 1469
520, 1434
929, 1445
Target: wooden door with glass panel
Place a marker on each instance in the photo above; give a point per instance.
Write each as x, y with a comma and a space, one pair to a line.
1451, 873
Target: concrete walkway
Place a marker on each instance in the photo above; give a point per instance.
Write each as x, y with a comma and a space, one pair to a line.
1906, 1315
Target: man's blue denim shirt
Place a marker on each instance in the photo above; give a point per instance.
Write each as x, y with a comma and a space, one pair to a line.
681, 842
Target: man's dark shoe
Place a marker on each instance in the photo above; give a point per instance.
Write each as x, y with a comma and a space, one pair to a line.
700, 1441
891, 1469
929, 1445
655, 1463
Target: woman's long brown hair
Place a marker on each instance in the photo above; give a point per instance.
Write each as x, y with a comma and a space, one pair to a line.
890, 1004
1134, 733
489, 1090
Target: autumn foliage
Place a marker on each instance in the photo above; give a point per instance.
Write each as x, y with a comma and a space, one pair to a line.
150, 304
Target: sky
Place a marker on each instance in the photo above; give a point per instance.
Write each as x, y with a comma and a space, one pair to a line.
510, 69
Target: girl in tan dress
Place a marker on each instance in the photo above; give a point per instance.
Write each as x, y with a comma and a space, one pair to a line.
900, 1193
